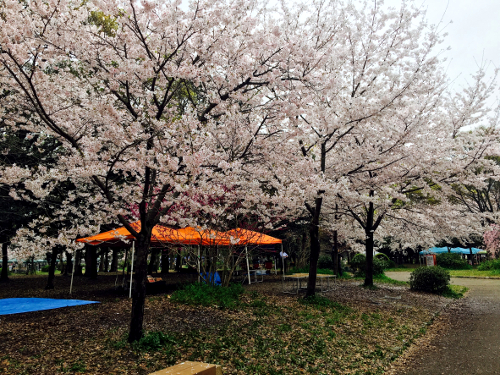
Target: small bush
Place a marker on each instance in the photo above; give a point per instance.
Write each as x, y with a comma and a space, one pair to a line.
208, 295
45, 268
358, 264
386, 261
489, 265
430, 279
325, 261
452, 261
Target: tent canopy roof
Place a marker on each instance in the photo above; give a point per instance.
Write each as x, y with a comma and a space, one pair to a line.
185, 236
456, 250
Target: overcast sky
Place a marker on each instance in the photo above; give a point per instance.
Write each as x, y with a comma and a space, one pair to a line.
474, 35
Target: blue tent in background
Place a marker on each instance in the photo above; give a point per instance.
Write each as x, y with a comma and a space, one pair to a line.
455, 250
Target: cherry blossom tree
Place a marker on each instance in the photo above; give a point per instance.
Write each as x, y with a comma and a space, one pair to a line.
153, 104
381, 124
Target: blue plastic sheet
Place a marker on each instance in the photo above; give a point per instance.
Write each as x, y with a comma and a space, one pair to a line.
211, 278
22, 305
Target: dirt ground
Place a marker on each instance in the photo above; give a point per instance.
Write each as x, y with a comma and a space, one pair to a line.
46, 339
464, 339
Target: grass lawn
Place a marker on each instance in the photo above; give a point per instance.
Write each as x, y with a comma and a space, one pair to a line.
262, 331
460, 273
475, 273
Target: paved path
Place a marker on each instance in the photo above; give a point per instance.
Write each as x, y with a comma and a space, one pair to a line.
472, 343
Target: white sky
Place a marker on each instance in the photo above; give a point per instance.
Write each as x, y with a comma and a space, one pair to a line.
474, 35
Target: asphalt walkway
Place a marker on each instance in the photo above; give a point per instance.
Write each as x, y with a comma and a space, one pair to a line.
471, 345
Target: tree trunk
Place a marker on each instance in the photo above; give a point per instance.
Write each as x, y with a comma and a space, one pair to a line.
114, 261
5, 266
91, 262
139, 292
153, 262
106, 260
369, 245
315, 248
101, 259
52, 268
78, 261
69, 263
165, 260
369, 259
178, 265
335, 254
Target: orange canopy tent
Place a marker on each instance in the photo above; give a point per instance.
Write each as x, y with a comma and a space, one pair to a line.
161, 234
185, 236
249, 237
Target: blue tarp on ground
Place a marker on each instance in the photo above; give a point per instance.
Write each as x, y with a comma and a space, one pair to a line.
456, 250
22, 305
211, 278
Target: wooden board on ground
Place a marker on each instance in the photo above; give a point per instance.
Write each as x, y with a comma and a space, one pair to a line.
190, 368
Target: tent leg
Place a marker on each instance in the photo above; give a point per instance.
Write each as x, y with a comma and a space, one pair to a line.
72, 274
199, 265
248, 265
282, 262
131, 271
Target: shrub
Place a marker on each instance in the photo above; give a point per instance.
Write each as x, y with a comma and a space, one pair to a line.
430, 279
358, 264
489, 265
45, 268
386, 261
452, 261
325, 261
208, 295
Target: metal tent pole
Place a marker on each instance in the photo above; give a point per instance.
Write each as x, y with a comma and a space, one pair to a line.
72, 273
199, 265
131, 270
282, 261
248, 265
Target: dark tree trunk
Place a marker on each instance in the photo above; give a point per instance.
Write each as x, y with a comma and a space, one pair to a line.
69, 263
369, 229
335, 254
91, 262
315, 248
369, 259
78, 263
5, 266
165, 260
52, 268
101, 259
178, 265
114, 261
106, 260
153, 262
139, 292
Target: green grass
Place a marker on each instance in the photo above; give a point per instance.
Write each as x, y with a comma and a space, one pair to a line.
460, 273
455, 291
383, 279
208, 295
475, 273
387, 280
270, 336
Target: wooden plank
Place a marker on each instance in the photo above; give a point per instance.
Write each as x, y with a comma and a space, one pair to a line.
190, 368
